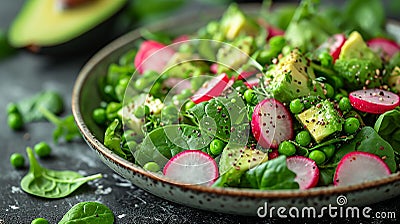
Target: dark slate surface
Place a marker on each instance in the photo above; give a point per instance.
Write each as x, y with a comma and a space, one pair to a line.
25, 74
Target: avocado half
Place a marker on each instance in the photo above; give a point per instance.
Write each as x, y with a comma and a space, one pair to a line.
43, 26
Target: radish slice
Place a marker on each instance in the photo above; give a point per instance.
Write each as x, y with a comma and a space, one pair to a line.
211, 89
374, 101
271, 123
181, 38
192, 167
307, 172
384, 46
358, 167
273, 154
152, 56
246, 74
252, 82
274, 31
334, 44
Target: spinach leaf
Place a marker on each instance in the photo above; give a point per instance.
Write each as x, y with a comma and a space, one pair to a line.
89, 213
65, 127
112, 138
48, 183
368, 140
224, 116
326, 175
388, 127
271, 175
308, 28
366, 16
164, 142
50, 100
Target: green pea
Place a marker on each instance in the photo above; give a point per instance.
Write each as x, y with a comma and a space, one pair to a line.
286, 50
296, 106
212, 27
99, 115
40, 221
152, 167
344, 104
186, 93
42, 149
216, 147
131, 145
250, 97
189, 104
326, 59
15, 121
185, 48
17, 160
109, 90
318, 156
351, 125
112, 110
330, 91
12, 108
329, 150
337, 82
339, 96
266, 56
141, 83
277, 42
286, 148
140, 111
303, 138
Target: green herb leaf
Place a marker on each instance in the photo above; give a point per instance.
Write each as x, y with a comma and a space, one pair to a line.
65, 127
48, 183
164, 142
271, 175
112, 139
50, 100
88, 213
388, 127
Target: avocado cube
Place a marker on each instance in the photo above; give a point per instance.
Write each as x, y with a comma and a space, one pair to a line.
321, 120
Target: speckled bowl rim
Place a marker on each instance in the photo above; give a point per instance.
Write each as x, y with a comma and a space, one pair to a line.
234, 192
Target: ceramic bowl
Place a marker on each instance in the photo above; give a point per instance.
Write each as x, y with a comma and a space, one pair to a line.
86, 97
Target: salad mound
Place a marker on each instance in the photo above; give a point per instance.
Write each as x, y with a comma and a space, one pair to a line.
273, 101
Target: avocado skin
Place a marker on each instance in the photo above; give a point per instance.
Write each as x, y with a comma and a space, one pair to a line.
87, 43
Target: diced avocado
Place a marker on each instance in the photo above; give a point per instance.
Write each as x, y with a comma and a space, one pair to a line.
355, 47
394, 79
235, 160
234, 55
321, 120
292, 78
358, 73
234, 22
42, 23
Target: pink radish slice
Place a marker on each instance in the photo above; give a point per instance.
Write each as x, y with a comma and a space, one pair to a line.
274, 31
374, 101
252, 82
271, 123
246, 74
334, 44
211, 89
192, 167
181, 38
273, 154
214, 68
385, 46
307, 172
152, 56
358, 167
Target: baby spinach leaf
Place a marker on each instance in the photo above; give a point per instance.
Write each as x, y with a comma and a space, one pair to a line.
65, 127
50, 100
112, 138
271, 175
164, 142
388, 127
368, 140
89, 212
48, 183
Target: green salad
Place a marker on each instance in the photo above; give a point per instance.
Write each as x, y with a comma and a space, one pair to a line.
286, 99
